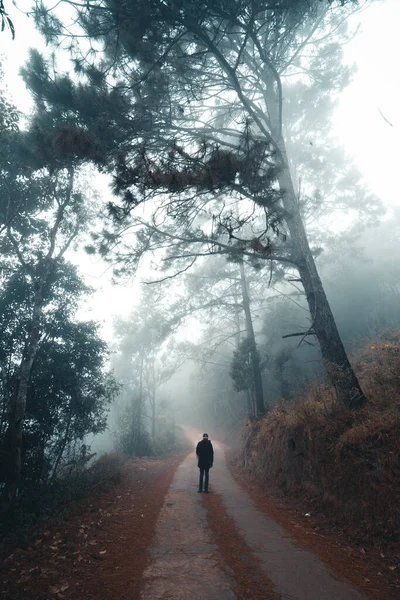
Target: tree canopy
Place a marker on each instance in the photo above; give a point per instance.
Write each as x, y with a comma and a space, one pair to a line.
204, 91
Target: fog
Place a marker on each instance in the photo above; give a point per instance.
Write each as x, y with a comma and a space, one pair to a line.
167, 219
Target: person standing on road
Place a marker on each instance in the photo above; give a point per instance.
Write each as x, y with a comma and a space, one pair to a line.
205, 455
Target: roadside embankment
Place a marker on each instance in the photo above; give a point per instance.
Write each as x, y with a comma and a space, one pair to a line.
344, 463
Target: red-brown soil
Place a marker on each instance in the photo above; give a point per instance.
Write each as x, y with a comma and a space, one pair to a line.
100, 552
371, 570
251, 582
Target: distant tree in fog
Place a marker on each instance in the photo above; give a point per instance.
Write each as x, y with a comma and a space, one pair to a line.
224, 292
143, 364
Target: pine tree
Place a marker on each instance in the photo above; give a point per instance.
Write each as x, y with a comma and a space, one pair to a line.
206, 86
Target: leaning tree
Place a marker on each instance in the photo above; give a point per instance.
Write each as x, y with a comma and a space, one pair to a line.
201, 124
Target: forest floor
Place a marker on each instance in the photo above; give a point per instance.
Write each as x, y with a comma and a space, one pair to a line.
100, 552
153, 536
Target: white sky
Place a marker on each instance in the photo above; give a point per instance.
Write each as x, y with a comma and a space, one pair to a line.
368, 139
372, 143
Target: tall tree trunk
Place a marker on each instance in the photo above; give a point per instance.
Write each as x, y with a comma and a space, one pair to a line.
5, 399
137, 427
251, 408
153, 416
255, 361
323, 323
237, 312
246, 393
18, 400
281, 370
153, 397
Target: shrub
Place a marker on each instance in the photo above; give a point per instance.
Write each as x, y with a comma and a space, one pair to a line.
36, 504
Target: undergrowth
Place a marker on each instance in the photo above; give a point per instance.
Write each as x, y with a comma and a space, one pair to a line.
36, 505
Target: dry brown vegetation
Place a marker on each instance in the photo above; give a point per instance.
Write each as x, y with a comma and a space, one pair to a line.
345, 462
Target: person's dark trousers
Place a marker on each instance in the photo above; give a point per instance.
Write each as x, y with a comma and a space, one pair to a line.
202, 473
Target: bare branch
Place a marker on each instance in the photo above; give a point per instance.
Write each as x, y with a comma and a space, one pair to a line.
172, 276
301, 333
383, 117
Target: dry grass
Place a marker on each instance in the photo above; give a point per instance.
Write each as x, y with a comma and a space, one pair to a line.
106, 471
346, 461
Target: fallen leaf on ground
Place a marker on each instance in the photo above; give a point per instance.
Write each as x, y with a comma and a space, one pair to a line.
57, 589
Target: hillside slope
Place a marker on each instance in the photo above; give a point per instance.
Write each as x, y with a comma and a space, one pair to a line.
344, 462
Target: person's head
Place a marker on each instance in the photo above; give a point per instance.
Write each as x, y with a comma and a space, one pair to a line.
205, 436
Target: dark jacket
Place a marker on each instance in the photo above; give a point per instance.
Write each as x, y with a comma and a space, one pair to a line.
205, 454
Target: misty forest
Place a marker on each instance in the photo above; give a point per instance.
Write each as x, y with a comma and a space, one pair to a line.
190, 243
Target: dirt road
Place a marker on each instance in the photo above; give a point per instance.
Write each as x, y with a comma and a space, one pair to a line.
153, 536
186, 562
